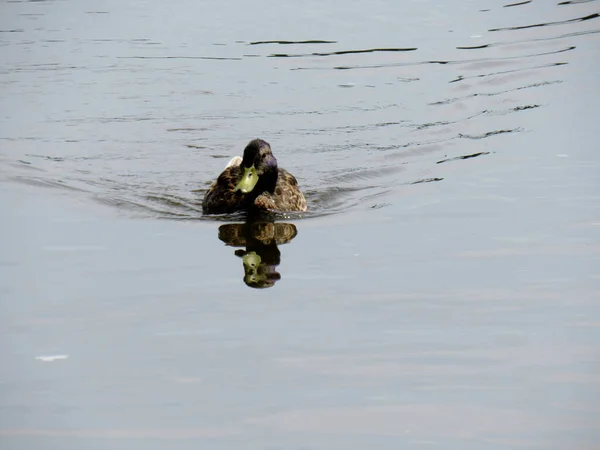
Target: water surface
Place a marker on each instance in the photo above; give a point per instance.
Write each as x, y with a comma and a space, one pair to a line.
442, 291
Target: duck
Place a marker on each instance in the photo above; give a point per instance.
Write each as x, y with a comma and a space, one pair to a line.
254, 183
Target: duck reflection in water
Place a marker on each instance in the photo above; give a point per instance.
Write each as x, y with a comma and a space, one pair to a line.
261, 255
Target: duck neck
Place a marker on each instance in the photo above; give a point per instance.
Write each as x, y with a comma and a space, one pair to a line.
267, 182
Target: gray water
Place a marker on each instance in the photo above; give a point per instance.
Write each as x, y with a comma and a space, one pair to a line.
442, 291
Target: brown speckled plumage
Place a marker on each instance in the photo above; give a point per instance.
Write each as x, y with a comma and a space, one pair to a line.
276, 190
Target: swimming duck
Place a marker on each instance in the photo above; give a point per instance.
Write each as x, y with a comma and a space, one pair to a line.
254, 183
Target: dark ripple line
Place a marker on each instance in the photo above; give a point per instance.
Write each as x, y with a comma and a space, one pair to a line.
525, 107
488, 134
575, 2
410, 145
492, 94
427, 180
131, 204
37, 181
380, 205
507, 111
503, 72
312, 41
118, 40
343, 52
473, 116
517, 4
181, 57
547, 24
450, 122
352, 128
174, 201
456, 158
334, 199
41, 68
524, 41
465, 61
46, 157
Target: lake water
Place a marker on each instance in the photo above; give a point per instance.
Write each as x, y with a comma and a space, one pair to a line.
443, 291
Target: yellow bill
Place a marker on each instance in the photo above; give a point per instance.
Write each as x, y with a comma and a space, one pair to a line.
248, 181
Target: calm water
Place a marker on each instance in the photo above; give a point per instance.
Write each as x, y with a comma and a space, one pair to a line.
443, 291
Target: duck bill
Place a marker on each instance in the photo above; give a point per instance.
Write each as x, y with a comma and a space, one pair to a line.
254, 275
251, 262
248, 181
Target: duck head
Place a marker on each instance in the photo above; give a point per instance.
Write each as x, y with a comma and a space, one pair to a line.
259, 168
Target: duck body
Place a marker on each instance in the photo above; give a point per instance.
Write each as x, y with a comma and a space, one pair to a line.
254, 183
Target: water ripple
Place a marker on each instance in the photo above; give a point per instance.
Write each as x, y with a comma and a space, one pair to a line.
216, 58
532, 40
456, 158
314, 41
517, 4
549, 24
488, 134
441, 62
504, 72
146, 123
492, 94
343, 52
